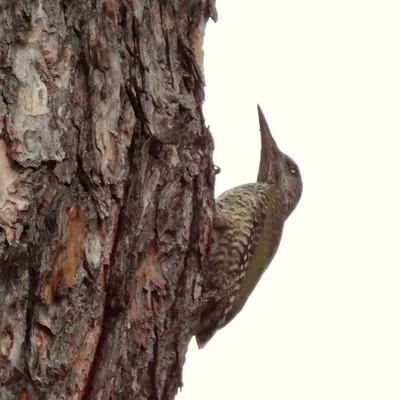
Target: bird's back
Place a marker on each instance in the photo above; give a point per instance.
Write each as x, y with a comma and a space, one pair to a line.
246, 232
247, 228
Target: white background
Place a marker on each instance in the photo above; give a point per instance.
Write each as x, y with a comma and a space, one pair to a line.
323, 322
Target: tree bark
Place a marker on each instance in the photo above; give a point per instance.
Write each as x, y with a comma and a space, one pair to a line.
106, 195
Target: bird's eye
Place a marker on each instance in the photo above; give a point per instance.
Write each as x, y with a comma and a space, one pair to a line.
293, 169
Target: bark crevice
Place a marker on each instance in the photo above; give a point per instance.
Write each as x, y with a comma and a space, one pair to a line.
106, 196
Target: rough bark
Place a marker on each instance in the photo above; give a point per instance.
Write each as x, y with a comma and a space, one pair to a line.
106, 195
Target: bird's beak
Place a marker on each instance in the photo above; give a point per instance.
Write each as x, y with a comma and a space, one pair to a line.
267, 171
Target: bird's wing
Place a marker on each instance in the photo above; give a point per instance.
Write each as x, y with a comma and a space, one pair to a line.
237, 230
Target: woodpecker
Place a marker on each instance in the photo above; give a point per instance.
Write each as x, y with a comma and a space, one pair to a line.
247, 229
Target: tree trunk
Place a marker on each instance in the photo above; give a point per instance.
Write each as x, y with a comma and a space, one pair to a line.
106, 195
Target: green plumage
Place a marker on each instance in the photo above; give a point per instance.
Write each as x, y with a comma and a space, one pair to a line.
246, 233
247, 229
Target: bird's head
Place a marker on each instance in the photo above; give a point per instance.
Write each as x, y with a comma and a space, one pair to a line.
276, 168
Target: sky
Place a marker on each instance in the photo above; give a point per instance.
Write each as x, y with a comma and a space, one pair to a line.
323, 323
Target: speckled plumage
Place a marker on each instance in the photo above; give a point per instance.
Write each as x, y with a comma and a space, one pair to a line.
247, 228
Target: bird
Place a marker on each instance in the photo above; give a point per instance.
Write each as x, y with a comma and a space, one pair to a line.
246, 232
